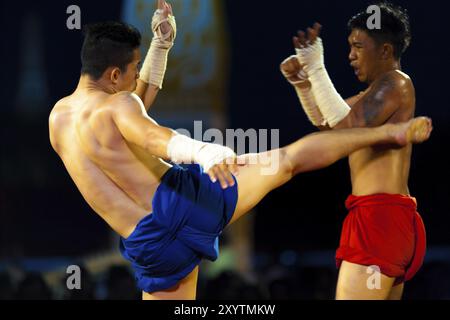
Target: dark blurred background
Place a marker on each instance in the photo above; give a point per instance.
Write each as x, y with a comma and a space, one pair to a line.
45, 223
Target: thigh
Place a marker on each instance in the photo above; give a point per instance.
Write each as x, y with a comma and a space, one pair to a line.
262, 173
186, 289
356, 283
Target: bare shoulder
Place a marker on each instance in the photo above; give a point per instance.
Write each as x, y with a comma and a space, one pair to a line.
58, 119
389, 95
125, 101
406, 97
404, 90
402, 76
406, 85
395, 81
393, 87
59, 113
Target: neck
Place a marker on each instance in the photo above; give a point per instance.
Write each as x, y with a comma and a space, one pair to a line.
385, 68
87, 83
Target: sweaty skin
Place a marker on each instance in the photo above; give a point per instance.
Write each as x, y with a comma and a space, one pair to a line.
117, 178
390, 98
115, 154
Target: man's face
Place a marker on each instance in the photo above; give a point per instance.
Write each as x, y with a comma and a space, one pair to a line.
128, 80
365, 55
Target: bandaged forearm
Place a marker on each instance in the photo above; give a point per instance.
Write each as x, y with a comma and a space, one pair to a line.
333, 108
155, 64
309, 105
182, 149
304, 94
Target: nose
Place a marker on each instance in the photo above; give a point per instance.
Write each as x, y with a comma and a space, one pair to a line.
352, 55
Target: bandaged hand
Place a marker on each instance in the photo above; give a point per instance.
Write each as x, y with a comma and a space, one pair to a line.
311, 57
164, 26
164, 30
310, 54
293, 71
309, 49
218, 161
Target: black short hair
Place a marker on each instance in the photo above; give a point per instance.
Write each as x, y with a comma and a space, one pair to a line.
395, 27
108, 44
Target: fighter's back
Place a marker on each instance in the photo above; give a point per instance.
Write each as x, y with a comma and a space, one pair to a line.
116, 179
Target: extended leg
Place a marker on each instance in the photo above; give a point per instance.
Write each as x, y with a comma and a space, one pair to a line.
274, 168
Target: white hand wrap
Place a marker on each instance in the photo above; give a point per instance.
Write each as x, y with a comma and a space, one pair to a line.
305, 95
309, 105
330, 103
155, 63
182, 149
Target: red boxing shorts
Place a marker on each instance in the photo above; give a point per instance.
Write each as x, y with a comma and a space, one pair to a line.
383, 230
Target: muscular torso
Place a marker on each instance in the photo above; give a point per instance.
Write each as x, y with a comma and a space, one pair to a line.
377, 170
117, 179
382, 169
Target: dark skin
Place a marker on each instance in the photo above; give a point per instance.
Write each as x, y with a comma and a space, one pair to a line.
389, 98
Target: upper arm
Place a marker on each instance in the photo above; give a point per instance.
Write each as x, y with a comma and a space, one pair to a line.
135, 125
379, 103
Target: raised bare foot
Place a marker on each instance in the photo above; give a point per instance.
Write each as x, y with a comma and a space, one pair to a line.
416, 130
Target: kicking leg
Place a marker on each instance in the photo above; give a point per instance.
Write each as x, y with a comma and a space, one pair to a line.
322, 149
269, 170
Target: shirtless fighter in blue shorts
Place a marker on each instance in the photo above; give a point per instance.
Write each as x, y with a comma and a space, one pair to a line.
169, 217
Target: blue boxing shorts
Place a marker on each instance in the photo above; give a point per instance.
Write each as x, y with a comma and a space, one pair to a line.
189, 214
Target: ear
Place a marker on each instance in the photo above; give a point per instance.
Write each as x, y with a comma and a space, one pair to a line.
387, 51
115, 74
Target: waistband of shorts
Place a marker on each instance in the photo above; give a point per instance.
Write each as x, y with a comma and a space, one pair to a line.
381, 199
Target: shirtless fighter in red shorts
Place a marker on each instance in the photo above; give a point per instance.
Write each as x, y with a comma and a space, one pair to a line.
382, 228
